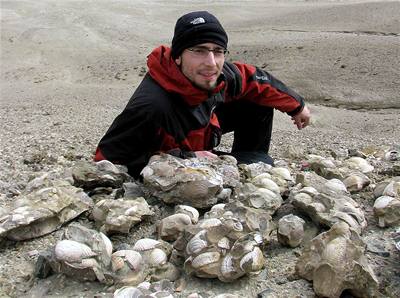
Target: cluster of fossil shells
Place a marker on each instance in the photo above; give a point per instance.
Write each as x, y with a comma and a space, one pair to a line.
43, 208
387, 203
227, 241
225, 244
120, 215
182, 181
329, 205
335, 261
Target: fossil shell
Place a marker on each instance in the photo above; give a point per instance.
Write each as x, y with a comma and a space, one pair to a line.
145, 244
356, 182
157, 257
191, 181
337, 256
252, 261
282, 172
197, 243
229, 271
209, 223
128, 292
290, 230
132, 258
335, 186
358, 163
107, 244
223, 243
72, 251
392, 155
117, 263
264, 182
190, 211
387, 209
205, 259
171, 226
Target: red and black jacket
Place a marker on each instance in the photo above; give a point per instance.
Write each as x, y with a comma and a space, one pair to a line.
168, 114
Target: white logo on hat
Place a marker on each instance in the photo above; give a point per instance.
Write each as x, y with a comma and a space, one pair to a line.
198, 21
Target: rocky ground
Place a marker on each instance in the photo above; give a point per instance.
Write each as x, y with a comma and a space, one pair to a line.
68, 68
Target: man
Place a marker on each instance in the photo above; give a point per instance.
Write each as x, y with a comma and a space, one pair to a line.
191, 96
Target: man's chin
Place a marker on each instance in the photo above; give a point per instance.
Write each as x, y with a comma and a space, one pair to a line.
208, 86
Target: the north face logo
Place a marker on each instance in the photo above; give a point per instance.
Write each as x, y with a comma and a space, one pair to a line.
198, 21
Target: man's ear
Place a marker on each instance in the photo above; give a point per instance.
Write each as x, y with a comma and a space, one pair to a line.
178, 61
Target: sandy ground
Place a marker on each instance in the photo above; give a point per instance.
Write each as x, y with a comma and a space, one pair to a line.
69, 67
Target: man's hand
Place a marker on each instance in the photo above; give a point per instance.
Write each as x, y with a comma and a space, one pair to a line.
302, 119
205, 154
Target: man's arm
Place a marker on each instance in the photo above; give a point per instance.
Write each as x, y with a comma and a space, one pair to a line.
254, 84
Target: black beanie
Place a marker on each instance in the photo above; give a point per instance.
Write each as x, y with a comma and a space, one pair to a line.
195, 28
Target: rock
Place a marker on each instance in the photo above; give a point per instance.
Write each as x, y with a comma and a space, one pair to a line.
387, 210
179, 181
356, 182
328, 208
290, 230
101, 174
335, 262
44, 210
120, 215
83, 253
258, 197
170, 227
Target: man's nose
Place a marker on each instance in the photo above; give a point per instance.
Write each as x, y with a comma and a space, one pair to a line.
210, 59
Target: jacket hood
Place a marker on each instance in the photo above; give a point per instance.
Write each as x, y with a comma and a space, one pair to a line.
164, 70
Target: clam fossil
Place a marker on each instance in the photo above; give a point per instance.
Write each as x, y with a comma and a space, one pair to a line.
226, 247
358, 163
170, 227
328, 208
72, 251
290, 230
120, 215
83, 253
188, 210
387, 210
180, 181
335, 261
263, 198
356, 182
146, 244
43, 210
100, 174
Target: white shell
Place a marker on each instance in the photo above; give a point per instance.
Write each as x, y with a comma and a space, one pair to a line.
223, 243
209, 223
360, 164
145, 244
336, 185
267, 183
133, 258
72, 251
157, 257
128, 292
282, 172
205, 259
227, 267
197, 244
190, 211
255, 258
107, 243
382, 202
218, 207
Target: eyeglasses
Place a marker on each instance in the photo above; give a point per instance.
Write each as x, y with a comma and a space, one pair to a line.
203, 52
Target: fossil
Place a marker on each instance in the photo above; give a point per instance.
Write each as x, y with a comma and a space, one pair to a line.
335, 261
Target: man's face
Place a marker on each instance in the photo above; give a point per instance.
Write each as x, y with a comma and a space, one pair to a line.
202, 66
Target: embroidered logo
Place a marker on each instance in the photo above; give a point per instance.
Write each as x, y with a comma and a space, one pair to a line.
198, 21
